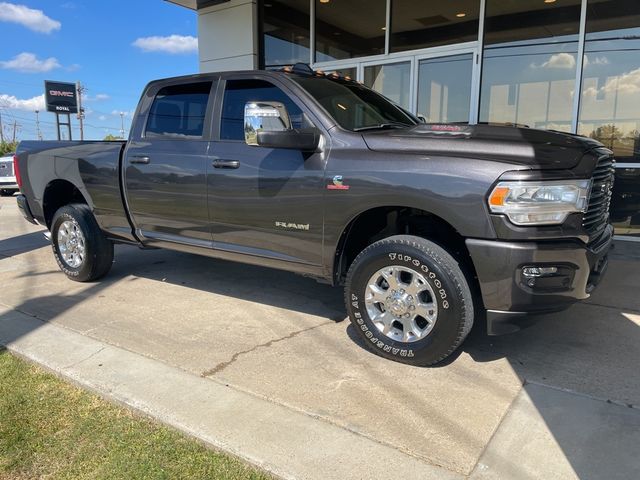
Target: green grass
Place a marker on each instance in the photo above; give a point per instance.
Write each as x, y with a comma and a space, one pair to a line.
52, 429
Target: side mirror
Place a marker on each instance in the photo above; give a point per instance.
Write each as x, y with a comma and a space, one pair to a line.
267, 124
422, 118
260, 116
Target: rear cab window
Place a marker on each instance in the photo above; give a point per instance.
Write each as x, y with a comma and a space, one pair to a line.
179, 111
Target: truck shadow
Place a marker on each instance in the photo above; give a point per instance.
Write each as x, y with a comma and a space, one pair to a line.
28, 242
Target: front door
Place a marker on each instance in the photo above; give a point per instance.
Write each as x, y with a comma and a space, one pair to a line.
166, 168
264, 201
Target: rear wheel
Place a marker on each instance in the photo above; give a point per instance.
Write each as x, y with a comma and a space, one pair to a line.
409, 300
81, 249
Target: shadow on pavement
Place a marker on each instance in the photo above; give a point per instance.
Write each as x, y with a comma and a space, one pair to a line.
28, 242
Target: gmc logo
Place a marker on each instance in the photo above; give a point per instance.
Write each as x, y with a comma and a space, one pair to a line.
60, 93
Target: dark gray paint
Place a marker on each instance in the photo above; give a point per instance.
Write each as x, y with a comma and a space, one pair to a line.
179, 200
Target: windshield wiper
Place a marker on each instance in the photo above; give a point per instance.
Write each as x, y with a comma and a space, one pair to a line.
382, 126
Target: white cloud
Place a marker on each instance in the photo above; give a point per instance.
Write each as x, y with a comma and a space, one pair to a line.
33, 19
102, 118
172, 44
596, 61
28, 63
99, 97
558, 60
627, 83
29, 104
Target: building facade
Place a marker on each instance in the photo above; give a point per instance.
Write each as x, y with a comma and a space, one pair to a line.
503, 61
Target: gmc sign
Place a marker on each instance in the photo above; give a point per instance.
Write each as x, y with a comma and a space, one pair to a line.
61, 97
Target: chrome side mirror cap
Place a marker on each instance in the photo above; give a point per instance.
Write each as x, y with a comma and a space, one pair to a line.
264, 117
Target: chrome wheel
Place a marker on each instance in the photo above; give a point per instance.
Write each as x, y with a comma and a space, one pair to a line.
71, 243
401, 303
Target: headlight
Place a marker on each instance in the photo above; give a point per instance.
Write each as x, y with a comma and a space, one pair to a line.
539, 203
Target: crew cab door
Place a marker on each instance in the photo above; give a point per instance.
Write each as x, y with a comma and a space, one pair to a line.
165, 165
264, 201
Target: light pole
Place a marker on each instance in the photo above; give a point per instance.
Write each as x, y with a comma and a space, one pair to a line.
122, 124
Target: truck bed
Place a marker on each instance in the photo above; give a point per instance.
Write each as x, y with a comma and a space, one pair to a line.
91, 168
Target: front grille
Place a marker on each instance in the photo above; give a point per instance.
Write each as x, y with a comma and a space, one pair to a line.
597, 215
6, 169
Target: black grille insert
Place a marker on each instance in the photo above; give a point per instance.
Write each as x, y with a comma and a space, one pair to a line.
597, 215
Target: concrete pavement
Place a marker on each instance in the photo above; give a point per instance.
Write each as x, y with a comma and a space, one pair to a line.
281, 340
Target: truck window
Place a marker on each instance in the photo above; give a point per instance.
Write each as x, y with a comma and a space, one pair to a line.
239, 92
179, 110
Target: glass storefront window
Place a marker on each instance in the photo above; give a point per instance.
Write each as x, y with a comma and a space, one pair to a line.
529, 67
392, 80
610, 101
431, 23
444, 88
286, 25
349, 29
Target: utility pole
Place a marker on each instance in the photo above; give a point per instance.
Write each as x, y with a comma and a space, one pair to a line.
15, 127
80, 114
122, 124
1, 130
38, 132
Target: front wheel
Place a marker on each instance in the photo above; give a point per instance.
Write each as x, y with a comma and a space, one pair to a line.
408, 300
81, 249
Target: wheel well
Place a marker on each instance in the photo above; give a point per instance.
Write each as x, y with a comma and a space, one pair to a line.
57, 194
382, 222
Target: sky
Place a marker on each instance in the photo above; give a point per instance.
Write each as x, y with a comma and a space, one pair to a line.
114, 48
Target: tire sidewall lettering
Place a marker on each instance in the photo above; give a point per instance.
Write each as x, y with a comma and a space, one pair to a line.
371, 336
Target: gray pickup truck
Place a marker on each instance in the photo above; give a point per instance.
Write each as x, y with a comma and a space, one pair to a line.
428, 227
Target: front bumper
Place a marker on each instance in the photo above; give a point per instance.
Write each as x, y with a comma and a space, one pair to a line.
508, 294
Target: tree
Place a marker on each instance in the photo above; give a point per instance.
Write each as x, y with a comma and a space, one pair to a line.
8, 147
112, 138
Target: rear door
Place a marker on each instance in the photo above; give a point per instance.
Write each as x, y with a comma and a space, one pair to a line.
264, 201
166, 164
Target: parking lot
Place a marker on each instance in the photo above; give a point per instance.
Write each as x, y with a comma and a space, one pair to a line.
562, 394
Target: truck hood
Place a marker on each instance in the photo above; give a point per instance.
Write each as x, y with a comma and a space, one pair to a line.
525, 147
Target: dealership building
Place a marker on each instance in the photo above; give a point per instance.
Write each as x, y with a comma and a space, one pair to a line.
498, 61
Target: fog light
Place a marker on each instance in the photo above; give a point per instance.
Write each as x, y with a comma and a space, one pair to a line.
538, 271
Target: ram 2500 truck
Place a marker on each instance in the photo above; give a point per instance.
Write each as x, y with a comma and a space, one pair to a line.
428, 227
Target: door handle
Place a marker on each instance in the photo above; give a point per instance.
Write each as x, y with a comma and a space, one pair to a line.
140, 159
226, 164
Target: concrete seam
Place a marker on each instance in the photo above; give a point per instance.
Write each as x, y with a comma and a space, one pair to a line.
495, 432
586, 395
631, 310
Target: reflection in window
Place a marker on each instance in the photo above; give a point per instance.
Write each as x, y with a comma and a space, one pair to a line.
444, 88
349, 29
610, 102
238, 92
530, 82
391, 80
179, 110
286, 32
429, 24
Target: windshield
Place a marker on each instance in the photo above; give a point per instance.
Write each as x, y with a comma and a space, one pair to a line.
353, 106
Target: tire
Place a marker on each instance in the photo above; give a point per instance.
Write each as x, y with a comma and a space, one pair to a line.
442, 313
6, 193
77, 222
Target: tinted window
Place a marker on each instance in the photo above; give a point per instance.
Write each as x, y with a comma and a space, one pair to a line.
286, 32
352, 105
239, 92
179, 110
349, 29
428, 24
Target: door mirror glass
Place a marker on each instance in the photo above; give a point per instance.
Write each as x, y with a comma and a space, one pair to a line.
264, 117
